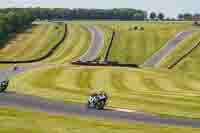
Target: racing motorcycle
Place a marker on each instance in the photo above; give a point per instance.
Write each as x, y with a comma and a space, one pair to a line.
97, 100
3, 85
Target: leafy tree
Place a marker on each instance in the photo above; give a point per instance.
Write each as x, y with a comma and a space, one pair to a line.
13, 20
161, 16
196, 17
153, 15
180, 16
187, 16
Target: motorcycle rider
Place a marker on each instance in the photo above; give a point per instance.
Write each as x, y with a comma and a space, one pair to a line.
97, 100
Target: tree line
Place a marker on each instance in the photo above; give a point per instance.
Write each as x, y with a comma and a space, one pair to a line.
159, 16
13, 21
180, 17
189, 16
89, 14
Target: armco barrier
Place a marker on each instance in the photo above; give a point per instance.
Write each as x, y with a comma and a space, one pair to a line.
113, 64
184, 56
43, 57
109, 47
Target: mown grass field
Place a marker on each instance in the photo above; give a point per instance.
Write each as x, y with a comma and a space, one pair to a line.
180, 51
34, 43
190, 63
107, 38
75, 44
15, 120
159, 92
142, 90
137, 46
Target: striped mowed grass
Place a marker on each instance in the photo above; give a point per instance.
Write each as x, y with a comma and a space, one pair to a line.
135, 46
13, 120
34, 43
143, 90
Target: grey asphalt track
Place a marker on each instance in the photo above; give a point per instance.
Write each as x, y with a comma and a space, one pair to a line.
61, 108
97, 43
167, 48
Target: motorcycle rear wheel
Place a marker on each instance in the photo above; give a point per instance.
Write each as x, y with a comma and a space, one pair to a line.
100, 105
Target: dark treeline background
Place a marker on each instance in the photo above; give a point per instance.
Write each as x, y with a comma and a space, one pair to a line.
13, 21
89, 14
70, 14
189, 16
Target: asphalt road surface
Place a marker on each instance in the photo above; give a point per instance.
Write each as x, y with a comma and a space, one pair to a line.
97, 43
167, 48
61, 108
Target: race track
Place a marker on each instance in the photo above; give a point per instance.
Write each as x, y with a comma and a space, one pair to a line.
37, 104
167, 48
97, 43
42, 105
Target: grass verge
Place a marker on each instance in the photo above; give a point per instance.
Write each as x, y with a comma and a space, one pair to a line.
180, 50
33, 44
15, 120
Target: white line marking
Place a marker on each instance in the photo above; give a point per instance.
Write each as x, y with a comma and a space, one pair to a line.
123, 110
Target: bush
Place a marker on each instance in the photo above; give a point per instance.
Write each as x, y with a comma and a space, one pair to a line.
141, 28
135, 28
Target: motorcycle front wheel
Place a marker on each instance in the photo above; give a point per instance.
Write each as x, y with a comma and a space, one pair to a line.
100, 105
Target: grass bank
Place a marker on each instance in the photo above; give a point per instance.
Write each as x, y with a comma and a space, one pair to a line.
15, 120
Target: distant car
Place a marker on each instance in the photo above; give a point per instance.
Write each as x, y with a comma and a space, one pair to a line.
97, 100
3, 85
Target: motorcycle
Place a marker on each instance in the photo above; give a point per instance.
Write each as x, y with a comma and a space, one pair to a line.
97, 100
3, 85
